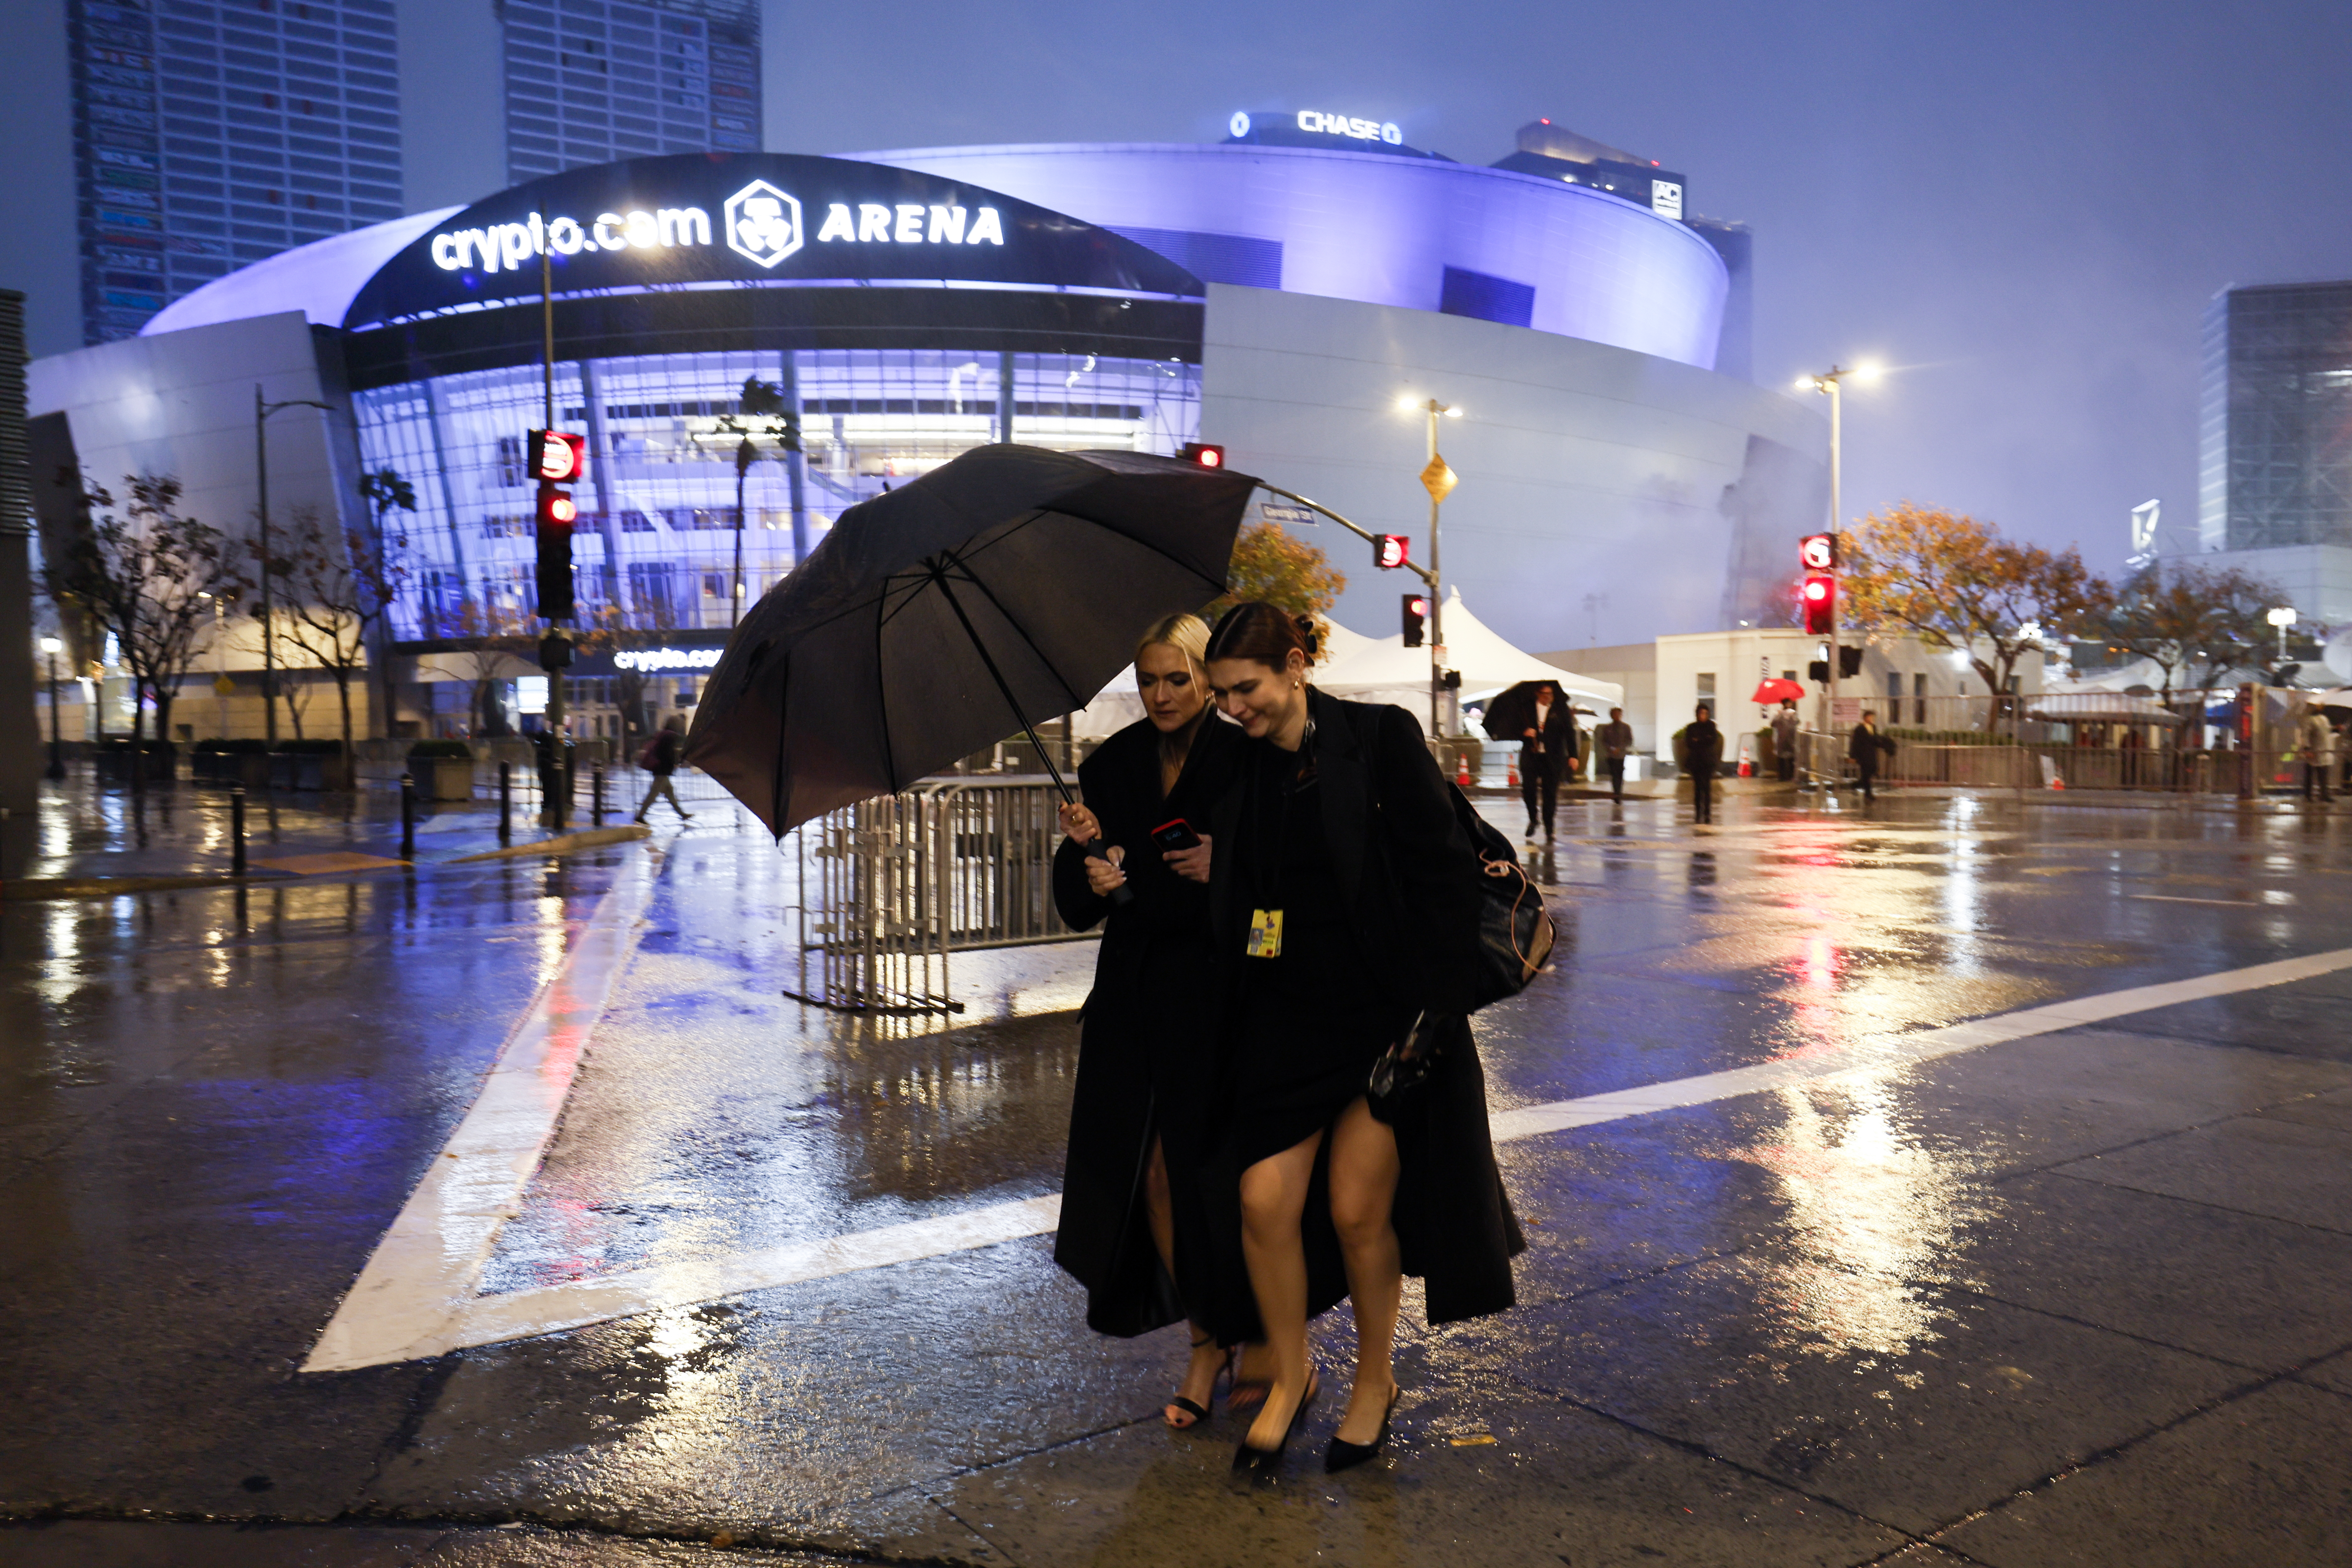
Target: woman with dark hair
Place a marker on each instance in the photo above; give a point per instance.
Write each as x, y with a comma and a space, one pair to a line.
1345, 915
1132, 1228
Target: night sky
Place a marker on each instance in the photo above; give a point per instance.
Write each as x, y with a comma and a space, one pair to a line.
2025, 206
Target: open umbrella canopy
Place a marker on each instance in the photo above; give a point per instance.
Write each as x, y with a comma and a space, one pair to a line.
1777, 690
999, 590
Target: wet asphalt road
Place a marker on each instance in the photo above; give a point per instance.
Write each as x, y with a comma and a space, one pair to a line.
2080, 1297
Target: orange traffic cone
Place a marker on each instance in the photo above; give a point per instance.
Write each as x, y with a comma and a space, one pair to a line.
1462, 769
1511, 773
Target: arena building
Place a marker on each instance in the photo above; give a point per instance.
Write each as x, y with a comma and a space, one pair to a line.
1282, 293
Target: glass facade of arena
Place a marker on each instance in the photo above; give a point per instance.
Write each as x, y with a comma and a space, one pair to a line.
656, 544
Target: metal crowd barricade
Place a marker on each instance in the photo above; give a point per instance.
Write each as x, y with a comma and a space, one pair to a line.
890, 886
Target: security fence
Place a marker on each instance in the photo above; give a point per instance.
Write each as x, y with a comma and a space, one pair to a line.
890, 886
2236, 740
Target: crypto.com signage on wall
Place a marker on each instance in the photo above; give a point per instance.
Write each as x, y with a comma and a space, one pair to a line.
652, 222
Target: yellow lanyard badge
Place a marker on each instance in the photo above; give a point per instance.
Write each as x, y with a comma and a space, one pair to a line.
1264, 933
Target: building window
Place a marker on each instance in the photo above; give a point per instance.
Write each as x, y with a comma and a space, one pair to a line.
1919, 700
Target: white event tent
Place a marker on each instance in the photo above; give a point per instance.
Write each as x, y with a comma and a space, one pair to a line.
1384, 671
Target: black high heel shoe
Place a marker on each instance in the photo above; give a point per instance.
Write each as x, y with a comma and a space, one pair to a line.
1260, 1463
1199, 1413
1346, 1456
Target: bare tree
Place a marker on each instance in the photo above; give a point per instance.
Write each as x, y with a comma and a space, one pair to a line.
2193, 618
146, 573
379, 568
322, 604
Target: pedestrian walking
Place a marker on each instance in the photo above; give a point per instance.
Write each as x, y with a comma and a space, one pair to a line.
2316, 738
1868, 748
1784, 741
1614, 741
659, 759
1145, 1059
1345, 916
1547, 749
1702, 755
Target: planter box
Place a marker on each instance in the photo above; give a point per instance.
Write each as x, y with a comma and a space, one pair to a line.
443, 778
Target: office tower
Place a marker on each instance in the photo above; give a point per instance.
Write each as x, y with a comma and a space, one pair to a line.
211, 133
589, 82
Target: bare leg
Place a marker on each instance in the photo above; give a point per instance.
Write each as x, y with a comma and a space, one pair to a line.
1363, 1194
1200, 1385
1274, 1196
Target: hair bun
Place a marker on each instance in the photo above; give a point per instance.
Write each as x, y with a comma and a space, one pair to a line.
1306, 637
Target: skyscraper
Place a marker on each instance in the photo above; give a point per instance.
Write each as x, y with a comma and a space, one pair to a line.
211, 133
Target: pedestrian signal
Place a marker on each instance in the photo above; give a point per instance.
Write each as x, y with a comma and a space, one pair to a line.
1820, 597
1200, 454
1819, 553
1389, 551
557, 458
1416, 615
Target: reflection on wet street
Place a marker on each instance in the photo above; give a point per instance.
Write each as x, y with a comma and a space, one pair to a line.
2076, 1291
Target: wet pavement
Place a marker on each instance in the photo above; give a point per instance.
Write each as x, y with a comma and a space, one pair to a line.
2074, 1287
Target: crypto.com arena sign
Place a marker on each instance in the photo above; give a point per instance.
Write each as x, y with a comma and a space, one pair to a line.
696, 218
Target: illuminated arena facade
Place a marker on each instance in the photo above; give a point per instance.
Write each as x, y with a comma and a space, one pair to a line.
1276, 294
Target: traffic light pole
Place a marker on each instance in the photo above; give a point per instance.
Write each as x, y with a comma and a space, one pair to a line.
560, 792
1436, 597
1837, 521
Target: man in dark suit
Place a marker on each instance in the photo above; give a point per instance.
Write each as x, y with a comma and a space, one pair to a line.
1702, 755
1547, 749
1868, 748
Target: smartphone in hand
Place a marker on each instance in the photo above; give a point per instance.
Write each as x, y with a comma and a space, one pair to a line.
1174, 836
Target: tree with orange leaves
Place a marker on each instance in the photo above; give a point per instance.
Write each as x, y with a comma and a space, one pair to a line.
1286, 572
1955, 583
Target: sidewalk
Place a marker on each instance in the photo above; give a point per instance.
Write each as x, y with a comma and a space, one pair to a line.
92, 839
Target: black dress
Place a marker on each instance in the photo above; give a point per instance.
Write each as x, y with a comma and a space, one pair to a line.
1146, 1035
1387, 856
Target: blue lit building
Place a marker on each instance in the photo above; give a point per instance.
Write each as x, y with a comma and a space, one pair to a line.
1279, 293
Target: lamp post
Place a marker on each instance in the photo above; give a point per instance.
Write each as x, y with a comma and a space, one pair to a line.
50, 646
1439, 480
1830, 383
261, 411
2281, 618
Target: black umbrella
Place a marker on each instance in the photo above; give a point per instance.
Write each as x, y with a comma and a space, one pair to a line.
1001, 589
1511, 712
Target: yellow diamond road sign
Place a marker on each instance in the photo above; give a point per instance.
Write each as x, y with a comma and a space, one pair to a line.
1438, 479
224, 685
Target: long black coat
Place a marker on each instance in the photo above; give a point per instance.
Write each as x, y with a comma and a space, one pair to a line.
1558, 746
1408, 871
1147, 1036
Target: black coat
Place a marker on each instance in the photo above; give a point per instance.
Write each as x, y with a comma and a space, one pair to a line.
1558, 743
1147, 1036
1868, 748
1407, 872
1702, 746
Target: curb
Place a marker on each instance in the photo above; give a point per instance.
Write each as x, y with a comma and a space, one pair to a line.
587, 839
29, 887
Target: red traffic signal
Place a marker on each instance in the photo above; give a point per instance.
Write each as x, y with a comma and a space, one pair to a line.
1416, 615
1388, 551
1820, 598
1203, 455
1818, 552
556, 457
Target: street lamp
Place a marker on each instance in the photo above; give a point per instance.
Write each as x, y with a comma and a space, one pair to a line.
1831, 383
52, 647
2281, 618
1439, 480
262, 412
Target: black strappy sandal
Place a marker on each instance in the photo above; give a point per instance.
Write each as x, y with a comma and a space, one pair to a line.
1199, 1413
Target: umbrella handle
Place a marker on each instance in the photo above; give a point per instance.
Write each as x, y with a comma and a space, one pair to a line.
1121, 895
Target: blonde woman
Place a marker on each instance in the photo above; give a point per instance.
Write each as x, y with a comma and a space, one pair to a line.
1132, 1227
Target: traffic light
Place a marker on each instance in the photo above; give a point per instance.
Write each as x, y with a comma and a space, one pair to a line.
1819, 594
1388, 551
1416, 615
1203, 455
1818, 552
556, 461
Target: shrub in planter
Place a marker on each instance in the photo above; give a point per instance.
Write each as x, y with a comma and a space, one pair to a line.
443, 770
441, 749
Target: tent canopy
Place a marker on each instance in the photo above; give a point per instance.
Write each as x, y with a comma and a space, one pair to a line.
1384, 671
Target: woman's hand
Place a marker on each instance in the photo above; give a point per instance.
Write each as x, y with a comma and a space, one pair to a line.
1102, 876
1079, 823
1192, 864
